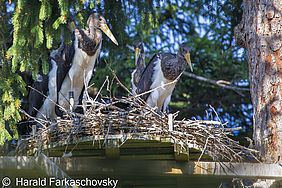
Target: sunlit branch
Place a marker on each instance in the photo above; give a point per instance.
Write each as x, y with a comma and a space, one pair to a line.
221, 83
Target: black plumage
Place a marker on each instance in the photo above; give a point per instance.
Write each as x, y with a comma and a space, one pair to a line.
159, 76
146, 79
60, 63
63, 59
87, 46
83, 53
140, 66
36, 97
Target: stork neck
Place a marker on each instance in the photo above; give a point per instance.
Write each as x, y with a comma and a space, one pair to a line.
141, 61
92, 30
181, 61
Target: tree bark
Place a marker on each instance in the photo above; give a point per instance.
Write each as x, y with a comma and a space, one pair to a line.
260, 33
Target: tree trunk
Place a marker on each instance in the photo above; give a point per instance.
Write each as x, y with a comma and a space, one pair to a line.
260, 33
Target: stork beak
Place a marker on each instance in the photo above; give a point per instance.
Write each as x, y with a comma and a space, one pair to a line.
104, 27
137, 53
188, 60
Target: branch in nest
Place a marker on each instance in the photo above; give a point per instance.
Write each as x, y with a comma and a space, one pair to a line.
109, 120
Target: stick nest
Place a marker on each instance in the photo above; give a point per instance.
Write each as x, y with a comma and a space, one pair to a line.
131, 117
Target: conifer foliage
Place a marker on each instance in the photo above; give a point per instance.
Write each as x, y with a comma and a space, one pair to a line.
31, 29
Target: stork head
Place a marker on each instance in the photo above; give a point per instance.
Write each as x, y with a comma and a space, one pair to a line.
185, 52
138, 46
95, 20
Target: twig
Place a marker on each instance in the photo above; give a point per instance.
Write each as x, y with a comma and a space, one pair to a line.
35, 119
139, 121
103, 85
47, 97
220, 83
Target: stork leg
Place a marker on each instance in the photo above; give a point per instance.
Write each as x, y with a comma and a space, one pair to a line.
71, 99
84, 102
165, 105
79, 108
153, 99
133, 86
83, 96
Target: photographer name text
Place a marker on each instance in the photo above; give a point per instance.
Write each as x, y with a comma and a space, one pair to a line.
52, 181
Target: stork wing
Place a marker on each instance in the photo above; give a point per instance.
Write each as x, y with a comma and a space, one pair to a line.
64, 62
63, 57
145, 81
36, 95
36, 91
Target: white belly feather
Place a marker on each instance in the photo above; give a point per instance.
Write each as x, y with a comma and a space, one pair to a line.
160, 96
78, 76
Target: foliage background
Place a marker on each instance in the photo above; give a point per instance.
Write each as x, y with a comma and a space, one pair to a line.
30, 29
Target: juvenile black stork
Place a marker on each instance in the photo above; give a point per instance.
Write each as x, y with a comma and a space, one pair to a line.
36, 104
140, 66
73, 67
163, 69
87, 49
60, 63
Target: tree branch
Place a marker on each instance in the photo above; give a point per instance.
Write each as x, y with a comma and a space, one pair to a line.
220, 83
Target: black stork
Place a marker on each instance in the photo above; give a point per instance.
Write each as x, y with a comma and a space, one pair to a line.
159, 74
60, 63
48, 85
87, 46
72, 67
140, 66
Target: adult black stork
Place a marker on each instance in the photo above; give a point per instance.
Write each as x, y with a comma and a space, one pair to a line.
140, 66
87, 46
159, 74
